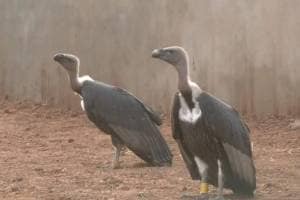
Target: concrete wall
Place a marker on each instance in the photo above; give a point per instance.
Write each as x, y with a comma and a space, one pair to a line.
246, 52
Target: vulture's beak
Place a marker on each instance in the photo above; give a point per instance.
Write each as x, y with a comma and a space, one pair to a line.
156, 53
58, 57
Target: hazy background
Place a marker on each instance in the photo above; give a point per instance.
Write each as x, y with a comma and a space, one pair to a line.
246, 52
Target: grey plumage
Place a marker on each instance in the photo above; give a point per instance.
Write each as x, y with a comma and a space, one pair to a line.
213, 140
123, 116
118, 113
219, 134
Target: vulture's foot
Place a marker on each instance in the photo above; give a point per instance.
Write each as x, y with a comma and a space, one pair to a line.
116, 157
217, 198
195, 197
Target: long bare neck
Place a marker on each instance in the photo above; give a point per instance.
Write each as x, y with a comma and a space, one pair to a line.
74, 79
183, 74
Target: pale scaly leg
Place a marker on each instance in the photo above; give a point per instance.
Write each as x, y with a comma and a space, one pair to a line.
203, 170
116, 157
118, 147
220, 183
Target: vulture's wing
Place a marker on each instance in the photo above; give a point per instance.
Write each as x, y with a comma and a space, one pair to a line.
225, 124
155, 117
176, 131
120, 112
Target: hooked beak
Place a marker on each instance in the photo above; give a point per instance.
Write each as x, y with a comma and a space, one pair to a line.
156, 53
58, 57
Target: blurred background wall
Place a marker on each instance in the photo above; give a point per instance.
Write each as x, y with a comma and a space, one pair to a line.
246, 52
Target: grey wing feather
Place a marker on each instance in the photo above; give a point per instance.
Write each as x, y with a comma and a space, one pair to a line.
176, 131
152, 114
226, 125
120, 113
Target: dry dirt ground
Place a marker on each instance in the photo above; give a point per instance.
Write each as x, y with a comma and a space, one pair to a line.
49, 153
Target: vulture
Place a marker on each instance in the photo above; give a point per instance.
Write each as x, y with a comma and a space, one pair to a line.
212, 138
128, 121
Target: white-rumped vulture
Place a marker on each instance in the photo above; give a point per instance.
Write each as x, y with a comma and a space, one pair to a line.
213, 139
118, 113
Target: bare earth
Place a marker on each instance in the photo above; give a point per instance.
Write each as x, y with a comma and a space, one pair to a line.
47, 153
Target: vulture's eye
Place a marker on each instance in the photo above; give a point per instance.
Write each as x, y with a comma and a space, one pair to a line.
171, 51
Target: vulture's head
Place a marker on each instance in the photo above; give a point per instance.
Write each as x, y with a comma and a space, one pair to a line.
68, 61
174, 55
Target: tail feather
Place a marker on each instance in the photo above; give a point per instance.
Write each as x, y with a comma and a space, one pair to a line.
243, 189
161, 154
151, 148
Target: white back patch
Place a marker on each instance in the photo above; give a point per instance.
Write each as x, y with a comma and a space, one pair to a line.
81, 79
202, 166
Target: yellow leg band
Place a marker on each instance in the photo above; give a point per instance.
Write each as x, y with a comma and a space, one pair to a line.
203, 188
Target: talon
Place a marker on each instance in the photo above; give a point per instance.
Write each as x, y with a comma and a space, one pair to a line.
195, 197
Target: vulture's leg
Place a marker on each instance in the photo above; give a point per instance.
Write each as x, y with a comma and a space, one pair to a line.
116, 156
220, 182
203, 170
118, 147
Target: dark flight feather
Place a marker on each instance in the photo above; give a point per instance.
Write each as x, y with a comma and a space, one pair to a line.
218, 134
176, 131
119, 113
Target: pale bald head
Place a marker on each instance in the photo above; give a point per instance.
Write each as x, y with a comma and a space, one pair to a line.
174, 55
177, 57
68, 61
71, 64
